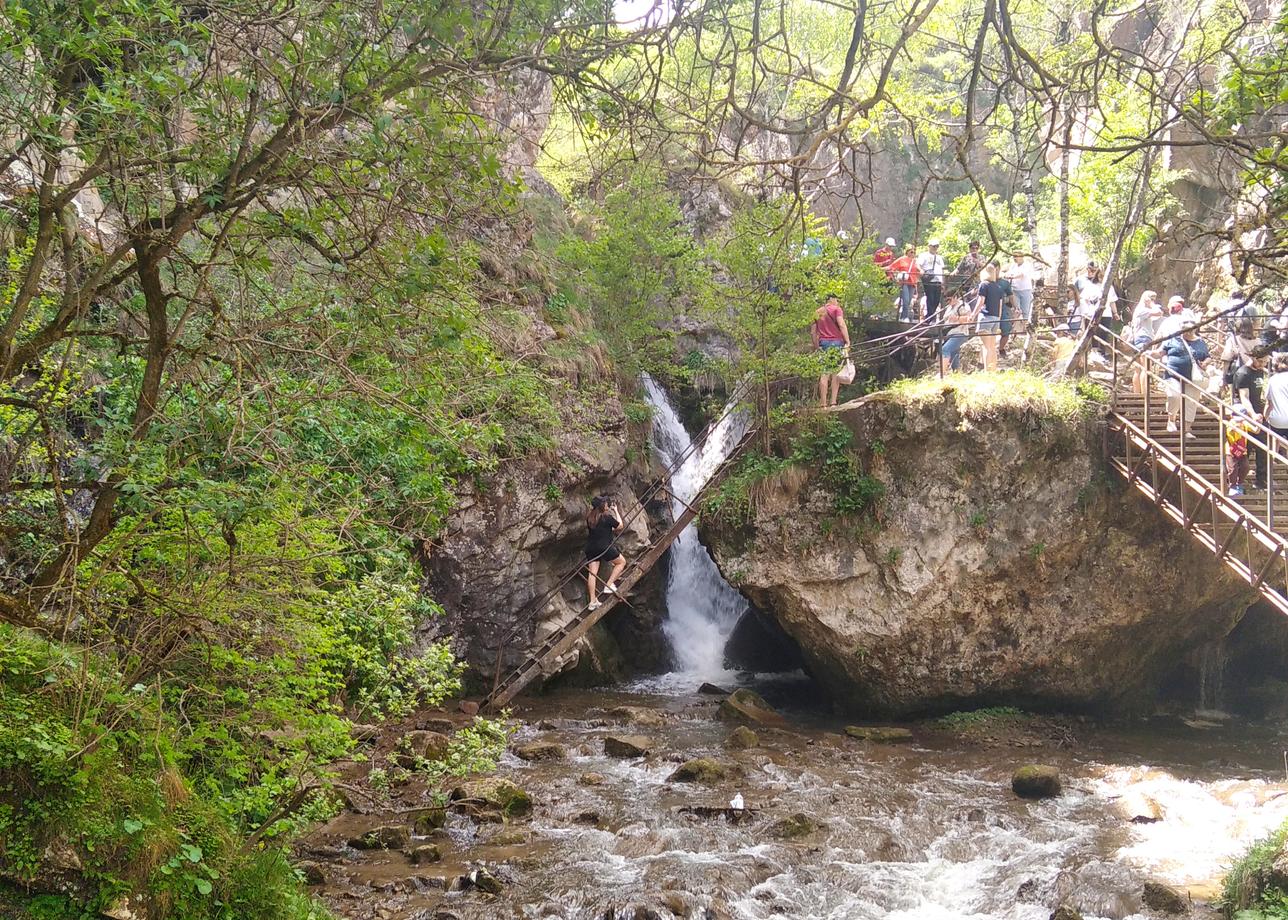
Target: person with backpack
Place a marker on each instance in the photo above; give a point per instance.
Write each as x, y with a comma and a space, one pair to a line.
603, 523
1237, 430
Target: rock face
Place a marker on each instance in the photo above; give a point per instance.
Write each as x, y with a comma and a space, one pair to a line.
1004, 564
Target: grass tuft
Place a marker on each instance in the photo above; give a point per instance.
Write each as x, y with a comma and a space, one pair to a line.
990, 392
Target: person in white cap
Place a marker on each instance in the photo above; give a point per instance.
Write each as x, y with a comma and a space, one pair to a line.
932, 268
884, 257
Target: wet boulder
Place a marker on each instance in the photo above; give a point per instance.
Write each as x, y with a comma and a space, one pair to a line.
510, 838
1164, 899
311, 872
424, 853
541, 750
794, 827
640, 715
1036, 781
627, 745
709, 689
742, 738
389, 837
749, 707
1064, 912
418, 745
701, 770
592, 779
492, 796
429, 821
884, 734
483, 880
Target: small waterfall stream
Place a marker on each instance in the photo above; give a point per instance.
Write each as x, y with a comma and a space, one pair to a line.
702, 608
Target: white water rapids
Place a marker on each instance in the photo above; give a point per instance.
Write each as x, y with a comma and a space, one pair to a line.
702, 608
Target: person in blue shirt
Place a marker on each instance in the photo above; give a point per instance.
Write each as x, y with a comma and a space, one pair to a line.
1184, 357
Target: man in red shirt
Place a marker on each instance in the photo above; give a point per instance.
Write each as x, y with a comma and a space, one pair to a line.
884, 256
832, 339
906, 273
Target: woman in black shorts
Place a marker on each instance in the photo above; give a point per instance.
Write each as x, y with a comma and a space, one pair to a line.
603, 521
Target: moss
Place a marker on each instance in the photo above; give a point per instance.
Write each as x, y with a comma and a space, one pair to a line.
991, 392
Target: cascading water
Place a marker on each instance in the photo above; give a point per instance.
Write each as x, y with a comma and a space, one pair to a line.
702, 608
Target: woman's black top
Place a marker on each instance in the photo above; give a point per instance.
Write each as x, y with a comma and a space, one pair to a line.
600, 537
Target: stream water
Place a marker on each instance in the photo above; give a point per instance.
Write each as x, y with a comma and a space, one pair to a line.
923, 830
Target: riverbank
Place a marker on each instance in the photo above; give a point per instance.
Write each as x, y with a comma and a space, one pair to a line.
833, 827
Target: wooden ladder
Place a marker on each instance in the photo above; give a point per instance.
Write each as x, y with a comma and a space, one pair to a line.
561, 641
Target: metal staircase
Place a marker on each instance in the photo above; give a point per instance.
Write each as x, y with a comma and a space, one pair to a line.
1183, 472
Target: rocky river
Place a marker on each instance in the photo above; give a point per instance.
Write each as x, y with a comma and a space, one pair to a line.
924, 827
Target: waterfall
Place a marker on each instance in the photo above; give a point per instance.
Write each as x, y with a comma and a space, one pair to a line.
1213, 659
702, 608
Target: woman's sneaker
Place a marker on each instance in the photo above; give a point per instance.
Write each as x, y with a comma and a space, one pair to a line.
610, 589
595, 604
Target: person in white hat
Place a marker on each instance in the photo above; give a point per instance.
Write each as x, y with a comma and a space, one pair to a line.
884, 256
932, 268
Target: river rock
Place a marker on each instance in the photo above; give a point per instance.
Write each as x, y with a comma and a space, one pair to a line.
592, 779
541, 750
389, 837
1064, 912
742, 738
640, 715
1138, 808
362, 733
429, 821
424, 853
794, 827
311, 872
1164, 899
1036, 781
748, 706
707, 689
508, 838
945, 600
886, 734
421, 744
493, 795
627, 745
701, 770
483, 880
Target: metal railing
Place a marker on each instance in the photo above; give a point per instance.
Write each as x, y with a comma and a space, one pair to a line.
1173, 479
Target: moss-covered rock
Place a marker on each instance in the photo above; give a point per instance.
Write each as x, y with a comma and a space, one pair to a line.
702, 770
640, 715
742, 738
1036, 781
424, 853
388, 837
492, 794
1164, 899
794, 827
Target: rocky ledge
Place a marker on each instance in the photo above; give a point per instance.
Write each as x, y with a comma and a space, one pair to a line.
1002, 563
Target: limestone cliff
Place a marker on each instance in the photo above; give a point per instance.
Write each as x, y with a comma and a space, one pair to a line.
1003, 565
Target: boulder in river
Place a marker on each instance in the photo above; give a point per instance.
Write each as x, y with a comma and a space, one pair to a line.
1064, 912
885, 734
388, 837
424, 853
742, 738
708, 689
492, 795
592, 779
483, 880
748, 706
1036, 781
429, 821
541, 750
701, 770
794, 827
627, 745
1164, 899
640, 715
